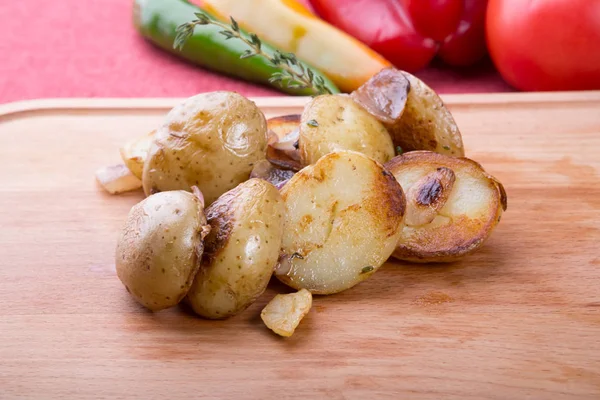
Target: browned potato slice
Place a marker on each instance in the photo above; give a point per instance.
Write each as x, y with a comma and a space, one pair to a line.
117, 179
240, 252
270, 173
343, 218
283, 314
452, 206
134, 153
211, 140
159, 248
336, 122
417, 120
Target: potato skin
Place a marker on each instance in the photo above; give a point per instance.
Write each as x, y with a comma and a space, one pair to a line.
211, 141
240, 252
341, 124
343, 218
471, 212
159, 248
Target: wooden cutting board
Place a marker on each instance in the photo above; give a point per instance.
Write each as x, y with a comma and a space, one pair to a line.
518, 320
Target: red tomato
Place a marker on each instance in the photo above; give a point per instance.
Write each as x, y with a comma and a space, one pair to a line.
546, 45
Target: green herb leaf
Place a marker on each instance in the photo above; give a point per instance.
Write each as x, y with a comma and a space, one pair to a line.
446, 147
234, 25
367, 269
255, 40
296, 255
247, 53
313, 123
398, 150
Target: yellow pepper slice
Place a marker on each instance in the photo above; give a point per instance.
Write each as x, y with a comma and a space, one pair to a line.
289, 26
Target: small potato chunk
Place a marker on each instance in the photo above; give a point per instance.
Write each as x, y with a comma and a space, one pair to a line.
283, 314
159, 248
135, 152
452, 206
117, 179
343, 218
283, 146
240, 252
335, 122
211, 140
412, 112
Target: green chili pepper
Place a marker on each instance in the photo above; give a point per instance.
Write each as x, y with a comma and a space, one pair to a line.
157, 20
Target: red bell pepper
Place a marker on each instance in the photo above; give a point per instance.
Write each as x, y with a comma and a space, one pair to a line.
409, 33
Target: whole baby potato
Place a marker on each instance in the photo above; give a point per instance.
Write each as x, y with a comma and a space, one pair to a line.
336, 122
160, 246
240, 252
211, 141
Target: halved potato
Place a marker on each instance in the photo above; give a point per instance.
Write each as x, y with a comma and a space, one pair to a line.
412, 112
452, 206
270, 173
343, 218
134, 153
241, 251
283, 314
211, 141
336, 122
117, 179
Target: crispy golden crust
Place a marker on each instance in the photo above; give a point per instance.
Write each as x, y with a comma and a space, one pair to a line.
471, 207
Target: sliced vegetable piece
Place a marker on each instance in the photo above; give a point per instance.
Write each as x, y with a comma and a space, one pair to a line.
158, 20
289, 26
135, 151
343, 218
117, 179
283, 314
417, 119
453, 205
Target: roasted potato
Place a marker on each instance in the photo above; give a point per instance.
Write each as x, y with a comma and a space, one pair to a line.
240, 252
343, 218
211, 140
283, 125
117, 179
452, 206
336, 122
283, 145
412, 112
276, 176
134, 153
283, 314
159, 248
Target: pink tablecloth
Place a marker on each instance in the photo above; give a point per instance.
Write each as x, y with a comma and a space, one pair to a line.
79, 48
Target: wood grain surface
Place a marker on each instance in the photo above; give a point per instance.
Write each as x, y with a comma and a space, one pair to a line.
520, 319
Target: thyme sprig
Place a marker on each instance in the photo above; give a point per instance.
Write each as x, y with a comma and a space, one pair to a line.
293, 74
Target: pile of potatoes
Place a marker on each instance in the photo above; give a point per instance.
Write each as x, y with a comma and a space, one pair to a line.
319, 200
